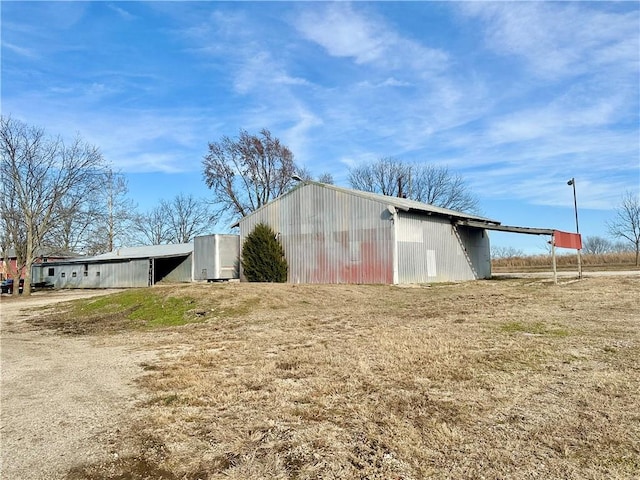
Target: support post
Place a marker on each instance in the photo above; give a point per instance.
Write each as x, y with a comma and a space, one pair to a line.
579, 263
553, 257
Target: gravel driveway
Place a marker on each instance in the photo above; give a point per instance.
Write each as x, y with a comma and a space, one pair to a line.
63, 399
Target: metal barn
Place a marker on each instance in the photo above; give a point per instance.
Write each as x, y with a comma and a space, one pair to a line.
337, 235
126, 267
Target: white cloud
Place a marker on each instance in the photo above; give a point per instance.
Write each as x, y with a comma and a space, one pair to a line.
124, 14
559, 39
258, 71
23, 51
343, 32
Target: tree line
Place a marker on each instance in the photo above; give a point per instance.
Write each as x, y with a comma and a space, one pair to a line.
60, 196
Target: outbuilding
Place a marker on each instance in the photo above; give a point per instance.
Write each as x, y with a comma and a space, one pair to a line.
209, 258
122, 268
332, 234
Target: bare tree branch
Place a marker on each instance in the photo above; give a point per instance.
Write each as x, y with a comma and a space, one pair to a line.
186, 218
41, 174
247, 172
151, 228
626, 223
423, 183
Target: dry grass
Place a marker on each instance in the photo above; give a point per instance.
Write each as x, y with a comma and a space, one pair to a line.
495, 379
606, 261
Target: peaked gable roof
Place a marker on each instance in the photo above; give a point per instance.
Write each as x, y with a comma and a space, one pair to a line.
397, 202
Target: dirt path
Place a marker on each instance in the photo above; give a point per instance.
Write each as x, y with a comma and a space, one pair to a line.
63, 399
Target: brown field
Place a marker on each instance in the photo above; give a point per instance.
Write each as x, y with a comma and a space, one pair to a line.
566, 261
500, 379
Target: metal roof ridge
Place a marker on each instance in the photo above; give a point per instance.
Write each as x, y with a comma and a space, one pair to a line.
403, 202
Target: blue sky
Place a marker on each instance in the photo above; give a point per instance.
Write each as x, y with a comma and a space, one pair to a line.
516, 97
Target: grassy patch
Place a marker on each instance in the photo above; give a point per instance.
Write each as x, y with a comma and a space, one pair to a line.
492, 379
150, 308
533, 328
129, 310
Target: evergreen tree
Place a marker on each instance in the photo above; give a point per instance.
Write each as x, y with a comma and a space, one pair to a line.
263, 257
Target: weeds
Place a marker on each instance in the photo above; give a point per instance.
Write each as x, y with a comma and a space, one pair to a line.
620, 260
493, 379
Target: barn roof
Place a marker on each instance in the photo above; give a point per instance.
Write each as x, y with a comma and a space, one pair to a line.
130, 253
148, 251
402, 204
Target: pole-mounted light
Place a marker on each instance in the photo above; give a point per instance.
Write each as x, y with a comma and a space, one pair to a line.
572, 183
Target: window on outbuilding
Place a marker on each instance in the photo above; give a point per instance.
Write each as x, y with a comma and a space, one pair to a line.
51, 272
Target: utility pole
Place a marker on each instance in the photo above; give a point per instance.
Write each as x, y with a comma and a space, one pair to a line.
572, 183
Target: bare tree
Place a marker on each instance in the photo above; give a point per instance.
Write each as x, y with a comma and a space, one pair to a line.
326, 177
151, 228
73, 229
622, 247
506, 252
186, 218
248, 171
596, 245
438, 186
112, 223
626, 223
387, 176
40, 173
423, 183
305, 174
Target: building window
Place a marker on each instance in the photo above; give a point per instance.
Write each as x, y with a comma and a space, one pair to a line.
74, 274
63, 274
86, 274
97, 274
51, 272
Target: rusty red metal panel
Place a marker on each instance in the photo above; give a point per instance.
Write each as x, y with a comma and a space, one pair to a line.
567, 240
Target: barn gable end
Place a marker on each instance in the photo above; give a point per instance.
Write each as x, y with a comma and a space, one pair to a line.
336, 235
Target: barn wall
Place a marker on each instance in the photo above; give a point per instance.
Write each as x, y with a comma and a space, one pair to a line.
133, 273
329, 236
431, 249
173, 269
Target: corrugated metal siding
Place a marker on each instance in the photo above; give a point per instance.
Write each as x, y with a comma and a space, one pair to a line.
181, 273
430, 249
134, 273
329, 236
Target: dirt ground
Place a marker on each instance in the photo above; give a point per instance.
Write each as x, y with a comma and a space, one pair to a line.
63, 399
508, 378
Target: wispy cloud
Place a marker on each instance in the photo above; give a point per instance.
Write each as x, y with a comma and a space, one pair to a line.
23, 51
124, 14
344, 32
559, 39
515, 96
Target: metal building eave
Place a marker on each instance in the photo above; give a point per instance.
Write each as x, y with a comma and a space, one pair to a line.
126, 254
505, 228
